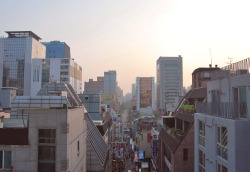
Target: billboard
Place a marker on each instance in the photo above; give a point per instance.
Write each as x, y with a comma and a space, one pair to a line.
107, 97
141, 154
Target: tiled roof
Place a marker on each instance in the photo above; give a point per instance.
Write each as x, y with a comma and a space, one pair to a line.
96, 141
168, 140
198, 93
185, 117
107, 123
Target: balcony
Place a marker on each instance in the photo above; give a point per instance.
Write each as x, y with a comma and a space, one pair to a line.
229, 110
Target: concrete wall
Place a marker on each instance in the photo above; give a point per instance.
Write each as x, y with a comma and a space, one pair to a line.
238, 140
6, 97
225, 87
70, 129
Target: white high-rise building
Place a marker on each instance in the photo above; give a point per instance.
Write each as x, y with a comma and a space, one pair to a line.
169, 82
110, 82
16, 54
63, 70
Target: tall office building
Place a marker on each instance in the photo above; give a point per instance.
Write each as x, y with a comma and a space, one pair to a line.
110, 82
57, 49
63, 70
16, 54
169, 82
145, 93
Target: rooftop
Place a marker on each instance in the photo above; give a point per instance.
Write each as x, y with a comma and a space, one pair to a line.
22, 34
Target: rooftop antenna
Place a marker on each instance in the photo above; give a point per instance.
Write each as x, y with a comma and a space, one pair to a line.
230, 60
211, 57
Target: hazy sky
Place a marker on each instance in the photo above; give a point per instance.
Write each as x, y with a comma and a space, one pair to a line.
129, 35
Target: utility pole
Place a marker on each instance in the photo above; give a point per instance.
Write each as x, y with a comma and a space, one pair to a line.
211, 57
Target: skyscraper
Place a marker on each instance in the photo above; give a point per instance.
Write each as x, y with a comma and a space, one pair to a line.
16, 54
57, 49
169, 82
145, 93
110, 82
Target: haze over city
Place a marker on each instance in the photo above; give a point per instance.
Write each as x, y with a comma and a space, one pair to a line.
129, 36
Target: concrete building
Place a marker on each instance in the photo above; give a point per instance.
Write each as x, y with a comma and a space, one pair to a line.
16, 54
7, 95
201, 76
176, 139
169, 84
94, 87
145, 94
57, 49
222, 124
63, 70
110, 82
45, 133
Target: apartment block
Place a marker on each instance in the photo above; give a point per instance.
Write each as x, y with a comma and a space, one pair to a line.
222, 123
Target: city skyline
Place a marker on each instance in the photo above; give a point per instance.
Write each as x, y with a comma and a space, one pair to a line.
129, 36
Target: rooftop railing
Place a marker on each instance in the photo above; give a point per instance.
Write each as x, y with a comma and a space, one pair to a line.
232, 70
230, 110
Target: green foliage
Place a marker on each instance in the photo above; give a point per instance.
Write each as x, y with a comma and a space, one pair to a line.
187, 108
176, 131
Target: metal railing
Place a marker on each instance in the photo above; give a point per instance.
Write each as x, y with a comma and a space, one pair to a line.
230, 110
232, 70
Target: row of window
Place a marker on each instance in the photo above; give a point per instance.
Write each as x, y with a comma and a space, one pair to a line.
222, 143
202, 164
221, 139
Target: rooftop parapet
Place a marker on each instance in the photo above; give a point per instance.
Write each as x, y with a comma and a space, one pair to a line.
229, 110
235, 69
22, 34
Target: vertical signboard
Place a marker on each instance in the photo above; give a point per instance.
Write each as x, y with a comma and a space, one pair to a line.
155, 142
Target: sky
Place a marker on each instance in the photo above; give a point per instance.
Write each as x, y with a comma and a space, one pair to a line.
130, 35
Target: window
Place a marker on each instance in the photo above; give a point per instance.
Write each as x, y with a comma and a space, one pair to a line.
185, 154
36, 71
5, 159
206, 74
222, 142
221, 168
46, 150
202, 133
239, 94
64, 73
215, 96
201, 161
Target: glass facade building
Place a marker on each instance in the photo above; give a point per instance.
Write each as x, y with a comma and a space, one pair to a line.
169, 82
57, 49
16, 54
